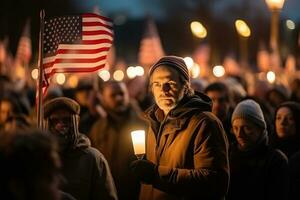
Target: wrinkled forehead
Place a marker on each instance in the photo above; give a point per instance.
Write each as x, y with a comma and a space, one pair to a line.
164, 72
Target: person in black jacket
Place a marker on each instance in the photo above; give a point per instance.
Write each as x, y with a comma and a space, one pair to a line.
256, 170
287, 126
85, 169
219, 93
294, 166
110, 134
29, 166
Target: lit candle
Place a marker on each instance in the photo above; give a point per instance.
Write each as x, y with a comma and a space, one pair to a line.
138, 140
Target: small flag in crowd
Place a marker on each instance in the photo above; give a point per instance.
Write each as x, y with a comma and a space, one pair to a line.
2, 52
74, 44
24, 51
150, 47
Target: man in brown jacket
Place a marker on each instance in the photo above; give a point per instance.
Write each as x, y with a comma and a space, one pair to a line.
186, 146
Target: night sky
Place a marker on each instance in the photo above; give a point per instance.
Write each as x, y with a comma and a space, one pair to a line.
172, 17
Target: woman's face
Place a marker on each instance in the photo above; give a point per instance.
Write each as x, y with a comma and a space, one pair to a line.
285, 123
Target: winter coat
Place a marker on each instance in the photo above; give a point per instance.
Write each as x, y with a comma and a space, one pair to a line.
291, 144
87, 173
288, 146
112, 137
294, 166
190, 148
260, 173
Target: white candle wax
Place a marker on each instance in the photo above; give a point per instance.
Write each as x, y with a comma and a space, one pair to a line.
138, 140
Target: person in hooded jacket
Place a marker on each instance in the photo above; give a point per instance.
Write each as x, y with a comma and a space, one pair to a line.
220, 95
287, 128
186, 145
111, 135
257, 171
85, 169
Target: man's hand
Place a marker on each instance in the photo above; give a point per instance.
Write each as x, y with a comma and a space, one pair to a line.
144, 170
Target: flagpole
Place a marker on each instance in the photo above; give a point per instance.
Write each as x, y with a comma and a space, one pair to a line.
40, 113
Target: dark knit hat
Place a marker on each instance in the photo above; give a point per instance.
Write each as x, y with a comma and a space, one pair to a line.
61, 103
249, 110
173, 61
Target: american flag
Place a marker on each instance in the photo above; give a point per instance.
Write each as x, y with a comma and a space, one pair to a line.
151, 48
24, 51
74, 44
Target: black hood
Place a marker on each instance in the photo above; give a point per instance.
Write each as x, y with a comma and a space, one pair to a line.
195, 103
82, 141
198, 102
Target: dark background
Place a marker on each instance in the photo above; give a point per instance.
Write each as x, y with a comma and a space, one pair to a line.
172, 17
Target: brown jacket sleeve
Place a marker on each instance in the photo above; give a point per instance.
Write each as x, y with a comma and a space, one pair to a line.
210, 175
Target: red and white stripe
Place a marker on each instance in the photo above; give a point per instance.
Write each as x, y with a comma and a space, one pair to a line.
88, 56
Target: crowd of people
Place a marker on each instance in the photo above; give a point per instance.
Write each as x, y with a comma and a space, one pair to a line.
212, 139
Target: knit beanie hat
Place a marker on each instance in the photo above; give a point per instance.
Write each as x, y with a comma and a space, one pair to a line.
61, 103
173, 61
249, 110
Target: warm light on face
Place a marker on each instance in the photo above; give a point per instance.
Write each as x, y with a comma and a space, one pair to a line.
242, 28
104, 75
166, 87
60, 78
285, 123
219, 71
271, 77
198, 29
118, 75
35, 74
246, 133
138, 141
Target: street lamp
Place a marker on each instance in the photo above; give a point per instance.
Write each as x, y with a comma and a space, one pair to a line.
244, 33
198, 29
275, 7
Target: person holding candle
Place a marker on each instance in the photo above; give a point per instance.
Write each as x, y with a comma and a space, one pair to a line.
110, 134
186, 146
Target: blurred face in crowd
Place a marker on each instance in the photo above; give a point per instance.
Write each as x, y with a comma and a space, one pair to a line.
285, 123
60, 125
220, 105
115, 97
275, 98
166, 87
246, 133
5, 111
49, 178
82, 97
49, 182
39, 175
13, 123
